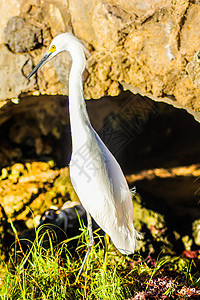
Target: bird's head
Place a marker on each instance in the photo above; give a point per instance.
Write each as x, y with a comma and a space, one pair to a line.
62, 42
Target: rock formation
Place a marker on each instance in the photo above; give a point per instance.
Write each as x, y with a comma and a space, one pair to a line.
150, 47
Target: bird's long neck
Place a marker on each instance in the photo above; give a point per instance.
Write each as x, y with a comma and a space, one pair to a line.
79, 119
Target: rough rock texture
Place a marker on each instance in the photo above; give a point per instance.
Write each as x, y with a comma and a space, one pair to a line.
22, 37
150, 47
12, 69
32, 188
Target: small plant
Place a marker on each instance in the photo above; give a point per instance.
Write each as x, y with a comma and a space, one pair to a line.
51, 274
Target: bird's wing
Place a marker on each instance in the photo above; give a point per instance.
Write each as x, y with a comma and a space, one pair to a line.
119, 201
104, 192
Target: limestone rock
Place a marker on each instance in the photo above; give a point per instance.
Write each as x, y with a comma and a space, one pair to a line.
154, 225
8, 10
193, 69
37, 187
81, 17
196, 231
12, 77
151, 46
113, 19
22, 37
136, 6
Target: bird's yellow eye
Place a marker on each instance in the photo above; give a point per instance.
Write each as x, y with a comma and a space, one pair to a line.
52, 49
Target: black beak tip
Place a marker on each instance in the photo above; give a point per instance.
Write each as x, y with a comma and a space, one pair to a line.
38, 66
31, 74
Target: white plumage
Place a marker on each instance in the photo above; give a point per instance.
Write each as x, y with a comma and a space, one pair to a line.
95, 174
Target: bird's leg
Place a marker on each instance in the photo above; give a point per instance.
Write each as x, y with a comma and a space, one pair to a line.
106, 239
91, 241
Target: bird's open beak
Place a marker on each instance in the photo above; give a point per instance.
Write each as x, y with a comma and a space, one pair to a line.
39, 65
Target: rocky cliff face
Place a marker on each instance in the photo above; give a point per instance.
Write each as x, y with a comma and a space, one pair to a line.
150, 47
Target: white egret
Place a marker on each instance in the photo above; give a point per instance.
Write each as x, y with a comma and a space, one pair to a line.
95, 174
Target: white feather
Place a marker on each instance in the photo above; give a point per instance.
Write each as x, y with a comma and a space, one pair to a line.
95, 174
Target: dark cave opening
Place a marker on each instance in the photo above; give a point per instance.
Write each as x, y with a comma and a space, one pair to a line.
142, 135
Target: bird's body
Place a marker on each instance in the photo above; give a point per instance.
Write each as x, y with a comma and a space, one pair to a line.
103, 191
95, 174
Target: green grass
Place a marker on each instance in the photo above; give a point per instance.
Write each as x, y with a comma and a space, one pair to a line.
47, 274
